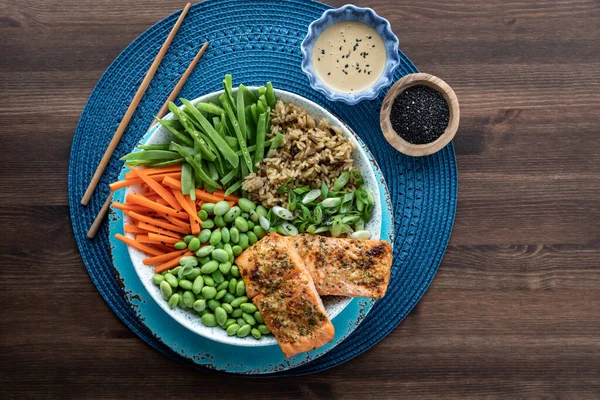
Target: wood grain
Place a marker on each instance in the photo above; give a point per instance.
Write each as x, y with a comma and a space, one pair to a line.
514, 311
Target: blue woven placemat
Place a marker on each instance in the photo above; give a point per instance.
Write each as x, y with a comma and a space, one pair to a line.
257, 41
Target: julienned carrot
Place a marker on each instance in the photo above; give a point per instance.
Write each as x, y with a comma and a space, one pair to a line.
142, 201
170, 264
158, 188
158, 222
139, 246
128, 228
156, 171
128, 207
164, 257
221, 193
165, 248
162, 201
162, 238
194, 220
121, 184
175, 221
183, 200
151, 228
200, 194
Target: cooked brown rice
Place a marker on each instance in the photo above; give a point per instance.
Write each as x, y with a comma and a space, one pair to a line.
309, 153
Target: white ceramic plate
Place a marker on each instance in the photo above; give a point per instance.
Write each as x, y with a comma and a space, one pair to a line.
333, 304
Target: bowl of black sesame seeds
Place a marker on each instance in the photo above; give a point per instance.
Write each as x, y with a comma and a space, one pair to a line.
419, 115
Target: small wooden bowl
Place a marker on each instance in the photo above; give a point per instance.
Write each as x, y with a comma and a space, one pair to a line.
419, 149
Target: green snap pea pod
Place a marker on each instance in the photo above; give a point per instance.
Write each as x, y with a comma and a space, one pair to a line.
153, 146
210, 108
229, 322
255, 333
150, 155
223, 285
199, 305
206, 152
185, 284
261, 107
233, 329
222, 207
252, 238
220, 255
241, 113
194, 244
209, 281
240, 289
213, 304
213, 147
254, 113
188, 298
228, 298
166, 163
221, 294
180, 137
275, 142
225, 235
225, 267
248, 95
239, 301
244, 241
208, 292
180, 245
218, 277
233, 142
248, 318
174, 300
258, 317
171, 280
229, 176
263, 329
240, 136
195, 165
187, 180
166, 290
248, 308
210, 267
228, 97
237, 313
270, 95
244, 331
221, 316
207, 224
198, 284
237, 250
235, 272
208, 207
219, 221
206, 250
209, 320
215, 237
236, 186
158, 278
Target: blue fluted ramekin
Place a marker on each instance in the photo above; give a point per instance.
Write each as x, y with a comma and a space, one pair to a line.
351, 13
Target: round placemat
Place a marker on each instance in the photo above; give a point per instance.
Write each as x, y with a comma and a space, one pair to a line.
256, 42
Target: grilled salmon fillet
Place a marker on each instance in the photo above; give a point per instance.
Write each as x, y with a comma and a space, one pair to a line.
345, 267
285, 294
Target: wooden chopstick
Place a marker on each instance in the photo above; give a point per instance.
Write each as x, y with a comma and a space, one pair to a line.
99, 218
104, 210
182, 80
132, 107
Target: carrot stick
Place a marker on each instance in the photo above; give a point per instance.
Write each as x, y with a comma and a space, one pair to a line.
165, 248
221, 193
194, 221
128, 228
162, 201
175, 221
158, 222
139, 246
200, 194
142, 201
128, 207
121, 184
183, 200
161, 191
156, 229
162, 238
156, 171
170, 264
164, 257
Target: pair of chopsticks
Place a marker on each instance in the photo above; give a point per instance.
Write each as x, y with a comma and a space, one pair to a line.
129, 113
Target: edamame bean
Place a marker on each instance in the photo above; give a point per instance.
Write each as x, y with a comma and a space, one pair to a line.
199, 305
205, 251
258, 317
232, 285
194, 244
207, 224
228, 323
204, 235
215, 237
174, 300
227, 307
245, 215
228, 298
232, 214
239, 301
252, 238
259, 231
220, 222
255, 333
235, 235
185, 284
181, 303
171, 280
244, 331
180, 245
188, 298
188, 261
204, 260
209, 319
227, 247
187, 239
219, 245
221, 294
235, 272
220, 255
237, 250
194, 273
213, 304
241, 321
210, 267
263, 329
246, 205
166, 290
249, 319
203, 215
209, 292
175, 271
254, 216
225, 267
237, 313
250, 225
261, 211
225, 236
158, 278
218, 277
221, 208
209, 281
221, 316
248, 308
244, 241
208, 207
232, 329
241, 224
223, 285
240, 289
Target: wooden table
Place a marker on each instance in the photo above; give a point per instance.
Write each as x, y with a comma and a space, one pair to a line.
515, 308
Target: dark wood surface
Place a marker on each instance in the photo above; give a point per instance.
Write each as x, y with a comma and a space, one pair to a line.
514, 311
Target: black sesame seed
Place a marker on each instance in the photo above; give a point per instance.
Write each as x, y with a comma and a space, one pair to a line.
322, 51
369, 37
329, 73
346, 66
340, 47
